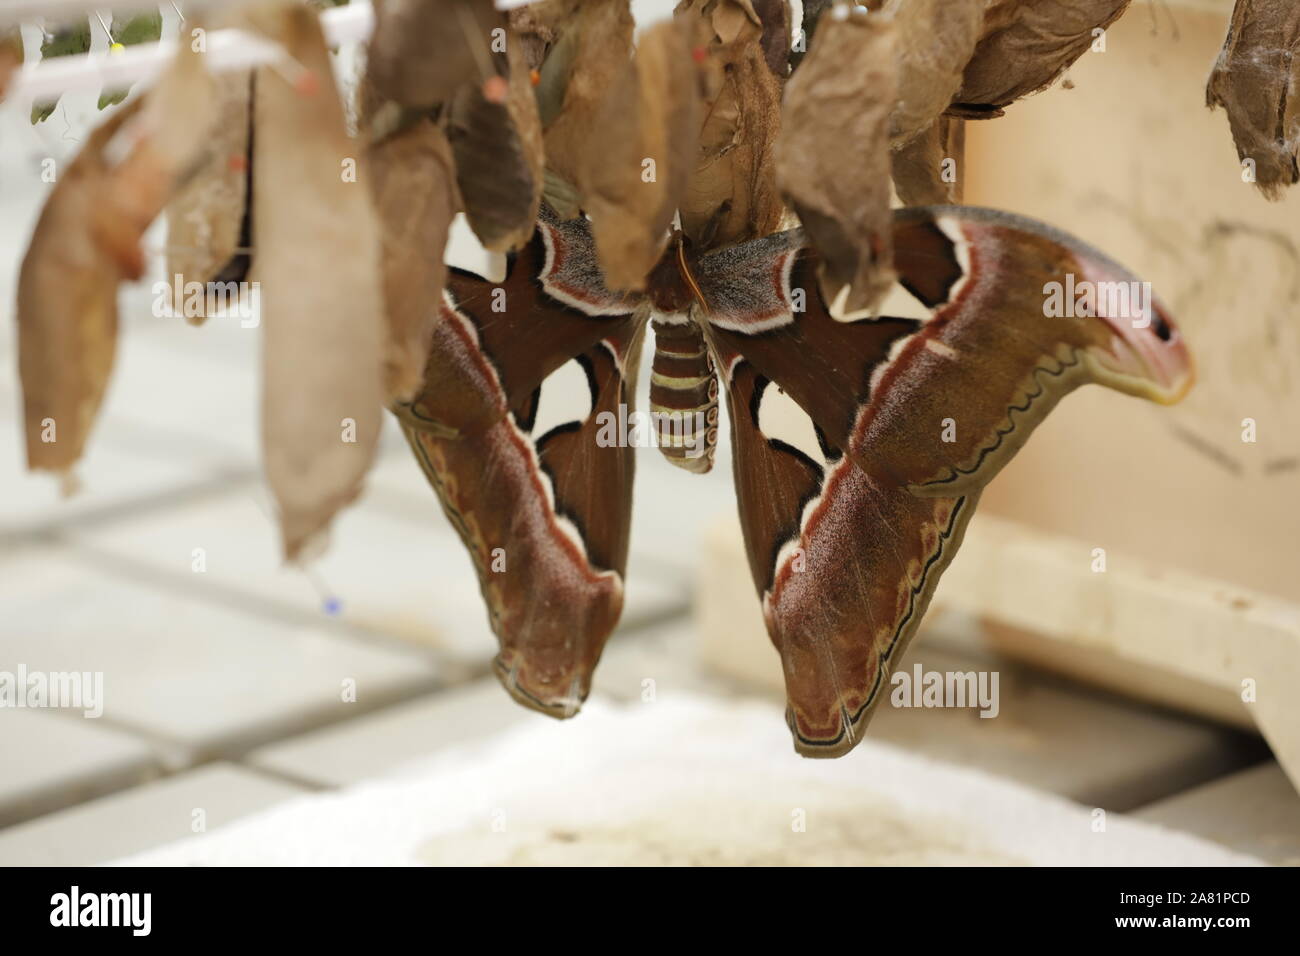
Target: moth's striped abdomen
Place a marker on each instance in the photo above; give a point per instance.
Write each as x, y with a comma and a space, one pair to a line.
683, 394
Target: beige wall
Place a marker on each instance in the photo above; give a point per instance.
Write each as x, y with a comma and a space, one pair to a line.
1130, 160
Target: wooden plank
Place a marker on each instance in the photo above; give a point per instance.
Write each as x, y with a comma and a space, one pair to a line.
1225, 637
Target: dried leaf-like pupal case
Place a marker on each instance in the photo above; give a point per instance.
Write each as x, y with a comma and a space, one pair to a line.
67, 311
927, 170
11, 56
422, 51
316, 268
86, 241
1026, 45
775, 17
499, 156
412, 179
732, 194
832, 157
539, 25
933, 42
170, 133
1257, 80
577, 76
641, 154
208, 224
812, 11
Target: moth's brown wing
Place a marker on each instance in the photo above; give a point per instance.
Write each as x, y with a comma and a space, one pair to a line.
861, 444
845, 564
510, 428
551, 306
967, 354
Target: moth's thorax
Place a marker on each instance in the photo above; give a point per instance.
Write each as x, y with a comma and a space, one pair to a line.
671, 285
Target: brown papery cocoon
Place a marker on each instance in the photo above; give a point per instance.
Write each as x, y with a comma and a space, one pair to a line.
412, 180
642, 153
833, 160
422, 51
207, 219
934, 40
11, 56
732, 194
775, 16
86, 241
316, 266
538, 25
167, 138
928, 170
67, 310
586, 65
499, 157
1026, 45
1257, 80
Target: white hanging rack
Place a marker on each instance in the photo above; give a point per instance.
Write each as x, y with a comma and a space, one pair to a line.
226, 49
57, 11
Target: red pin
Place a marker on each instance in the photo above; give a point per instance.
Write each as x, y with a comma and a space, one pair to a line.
307, 83
495, 89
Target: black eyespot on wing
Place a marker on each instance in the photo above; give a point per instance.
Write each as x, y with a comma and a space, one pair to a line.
1161, 327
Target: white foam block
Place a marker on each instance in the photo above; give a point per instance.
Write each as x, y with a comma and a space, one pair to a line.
685, 782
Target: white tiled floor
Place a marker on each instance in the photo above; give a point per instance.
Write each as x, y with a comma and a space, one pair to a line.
156, 813
395, 738
196, 677
638, 667
397, 572
53, 759
116, 475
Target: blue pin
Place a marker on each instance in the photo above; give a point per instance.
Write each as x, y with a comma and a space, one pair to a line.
332, 606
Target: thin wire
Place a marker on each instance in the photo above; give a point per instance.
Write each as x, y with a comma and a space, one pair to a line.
107, 32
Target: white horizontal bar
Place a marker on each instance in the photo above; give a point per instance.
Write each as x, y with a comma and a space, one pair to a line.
227, 50
60, 11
